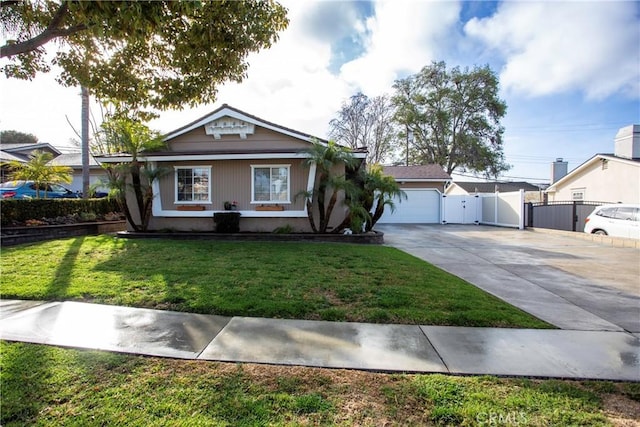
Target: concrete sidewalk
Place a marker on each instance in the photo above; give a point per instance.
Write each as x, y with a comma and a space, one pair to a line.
604, 355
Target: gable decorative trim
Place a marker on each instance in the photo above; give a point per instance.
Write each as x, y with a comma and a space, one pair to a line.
229, 126
229, 112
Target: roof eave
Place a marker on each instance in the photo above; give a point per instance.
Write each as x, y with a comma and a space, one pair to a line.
595, 158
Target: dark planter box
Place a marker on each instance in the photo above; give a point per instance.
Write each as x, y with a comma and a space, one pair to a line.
227, 222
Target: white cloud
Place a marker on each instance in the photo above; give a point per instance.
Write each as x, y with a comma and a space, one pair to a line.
403, 36
556, 47
289, 84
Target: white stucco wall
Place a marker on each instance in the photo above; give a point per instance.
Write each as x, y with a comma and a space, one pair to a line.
94, 176
618, 182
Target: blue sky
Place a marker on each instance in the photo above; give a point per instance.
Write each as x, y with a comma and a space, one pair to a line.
569, 71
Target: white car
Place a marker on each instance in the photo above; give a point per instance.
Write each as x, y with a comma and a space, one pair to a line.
620, 220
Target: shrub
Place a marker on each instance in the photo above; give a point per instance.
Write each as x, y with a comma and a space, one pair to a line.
21, 210
285, 229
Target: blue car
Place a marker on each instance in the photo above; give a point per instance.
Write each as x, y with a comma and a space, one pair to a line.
27, 190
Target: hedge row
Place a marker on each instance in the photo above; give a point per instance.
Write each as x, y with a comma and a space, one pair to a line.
23, 209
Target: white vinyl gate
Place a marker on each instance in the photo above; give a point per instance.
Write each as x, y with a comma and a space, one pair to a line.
464, 209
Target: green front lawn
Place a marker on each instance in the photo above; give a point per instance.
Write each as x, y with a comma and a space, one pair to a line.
262, 279
52, 386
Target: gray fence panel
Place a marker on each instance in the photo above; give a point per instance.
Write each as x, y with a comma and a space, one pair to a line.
568, 216
558, 217
582, 212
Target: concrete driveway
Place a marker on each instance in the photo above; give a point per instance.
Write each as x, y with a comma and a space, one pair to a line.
558, 277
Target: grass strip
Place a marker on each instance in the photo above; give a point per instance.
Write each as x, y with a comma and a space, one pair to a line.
337, 282
51, 386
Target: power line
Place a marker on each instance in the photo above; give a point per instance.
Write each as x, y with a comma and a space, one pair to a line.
502, 177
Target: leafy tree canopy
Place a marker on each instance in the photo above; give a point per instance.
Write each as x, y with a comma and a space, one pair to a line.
15, 137
158, 54
454, 116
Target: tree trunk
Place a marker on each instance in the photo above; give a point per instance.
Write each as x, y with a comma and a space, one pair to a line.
137, 188
376, 215
309, 204
332, 203
85, 142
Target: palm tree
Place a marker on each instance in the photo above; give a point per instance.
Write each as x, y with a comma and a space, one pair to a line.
38, 170
367, 200
379, 190
127, 136
327, 158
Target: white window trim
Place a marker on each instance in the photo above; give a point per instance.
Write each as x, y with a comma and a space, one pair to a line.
270, 202
175, 186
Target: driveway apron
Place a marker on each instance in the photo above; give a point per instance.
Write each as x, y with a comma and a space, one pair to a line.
566, 281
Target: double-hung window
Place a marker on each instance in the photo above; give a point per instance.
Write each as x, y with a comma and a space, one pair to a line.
193, 184
270, 184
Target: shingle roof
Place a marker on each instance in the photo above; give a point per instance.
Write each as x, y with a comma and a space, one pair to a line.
73, 160
421, 172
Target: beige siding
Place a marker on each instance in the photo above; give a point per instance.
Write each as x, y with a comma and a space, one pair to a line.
619, 182
262, 139
231, 180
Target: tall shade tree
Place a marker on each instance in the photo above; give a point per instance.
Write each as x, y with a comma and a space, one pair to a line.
140, 54
366, 122
454, 116
15, 137
38, 170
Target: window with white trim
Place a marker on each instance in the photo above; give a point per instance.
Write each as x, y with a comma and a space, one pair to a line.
270, 184
193, 184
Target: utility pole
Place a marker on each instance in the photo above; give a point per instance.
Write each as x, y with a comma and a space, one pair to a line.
85, 141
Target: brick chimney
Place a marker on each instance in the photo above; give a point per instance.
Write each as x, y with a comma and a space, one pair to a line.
559, 169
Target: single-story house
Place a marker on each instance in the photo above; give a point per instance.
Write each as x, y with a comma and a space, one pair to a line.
97, 174
613, 178
231, 157
532, 193
423, 186
22, 153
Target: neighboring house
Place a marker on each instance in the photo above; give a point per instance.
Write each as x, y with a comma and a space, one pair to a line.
423, 186
613, 178
232, 156
21, 153
532, 193
97, 174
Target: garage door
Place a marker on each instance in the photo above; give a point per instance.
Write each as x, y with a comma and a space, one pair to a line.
420, 207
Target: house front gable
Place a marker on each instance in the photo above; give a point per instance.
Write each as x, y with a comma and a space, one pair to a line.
603, 178
229, 130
